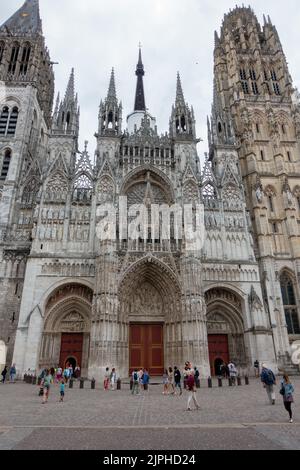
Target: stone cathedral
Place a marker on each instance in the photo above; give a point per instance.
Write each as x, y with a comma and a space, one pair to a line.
68, 297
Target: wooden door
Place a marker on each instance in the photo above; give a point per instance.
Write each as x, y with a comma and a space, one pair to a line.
71, 347
146, 348
218, 350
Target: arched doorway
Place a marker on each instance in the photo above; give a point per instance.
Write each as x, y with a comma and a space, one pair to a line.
225, 329
150, 306
67, 326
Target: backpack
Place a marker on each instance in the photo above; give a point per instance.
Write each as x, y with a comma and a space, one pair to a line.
135, 376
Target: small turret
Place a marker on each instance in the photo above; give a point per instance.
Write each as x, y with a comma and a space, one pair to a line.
110, 113
182, 121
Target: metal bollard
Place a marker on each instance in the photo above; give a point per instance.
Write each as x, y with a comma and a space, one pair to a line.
34, 380
39, 380
246, 380
209, 381
239, 381
131, 384
119, 384
229, 381
25, 377
93, 383
81, 383
197, 383
71, 383
220, 383
145, 386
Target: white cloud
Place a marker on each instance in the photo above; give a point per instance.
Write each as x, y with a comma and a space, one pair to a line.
95, 35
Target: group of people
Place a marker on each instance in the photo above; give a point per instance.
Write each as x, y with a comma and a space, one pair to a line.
139, 380
48, 377
286, 389
12, 373
229, 371
110, 379
58, 373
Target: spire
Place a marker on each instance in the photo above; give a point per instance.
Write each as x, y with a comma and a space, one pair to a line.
112, 95
139, 95
70, 92
179, 92
26, 20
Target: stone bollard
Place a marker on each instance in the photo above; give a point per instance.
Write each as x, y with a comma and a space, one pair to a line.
220, 383
34, 380
93, 383
239, 381
229, 381
25, 377
246, 380
71, 383
119, 384
29, 379
145, 386
209, 381
81, 385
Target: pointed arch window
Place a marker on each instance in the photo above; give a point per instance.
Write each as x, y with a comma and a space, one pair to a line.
4, 120
2, 46
290, 304
14, 58
276, 86
244, 81
25, 58
253, 81
5, 165
12, 124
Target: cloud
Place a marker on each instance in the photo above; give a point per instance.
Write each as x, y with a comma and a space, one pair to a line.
95, 35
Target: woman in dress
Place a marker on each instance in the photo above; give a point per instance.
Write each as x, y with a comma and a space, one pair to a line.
287, 391
165, 382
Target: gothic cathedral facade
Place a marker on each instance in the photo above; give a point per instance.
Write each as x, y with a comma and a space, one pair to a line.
68, 296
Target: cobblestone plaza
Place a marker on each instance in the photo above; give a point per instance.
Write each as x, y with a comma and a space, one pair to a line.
229, 418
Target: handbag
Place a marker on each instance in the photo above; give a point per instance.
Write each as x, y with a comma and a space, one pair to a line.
282, 390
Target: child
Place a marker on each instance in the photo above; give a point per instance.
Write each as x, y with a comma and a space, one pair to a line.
62, 389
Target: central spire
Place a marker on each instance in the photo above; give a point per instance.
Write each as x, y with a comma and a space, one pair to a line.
139, 95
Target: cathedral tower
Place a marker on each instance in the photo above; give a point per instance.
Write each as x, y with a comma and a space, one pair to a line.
256, 106
26, 94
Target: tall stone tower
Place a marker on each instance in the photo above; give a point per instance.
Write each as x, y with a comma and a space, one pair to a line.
26, 88
257, 109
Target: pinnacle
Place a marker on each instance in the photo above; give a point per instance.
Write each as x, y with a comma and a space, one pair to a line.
112, 95
70, 92
179, 92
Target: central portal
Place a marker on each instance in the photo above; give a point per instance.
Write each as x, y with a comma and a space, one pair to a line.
146, 348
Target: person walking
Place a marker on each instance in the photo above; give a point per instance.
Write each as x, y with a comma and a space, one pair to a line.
191, 388
197, 377
3, 373
177, 380
165, 382
12, 373
268, 379
62, 389
256, 368
66, 374
48, 379
135, 382
141, 375
146, 379
171, 388
59, 374
287, 391
106, 379
232, 372
113, 378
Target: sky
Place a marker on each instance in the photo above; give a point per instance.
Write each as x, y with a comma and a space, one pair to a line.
176, 35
